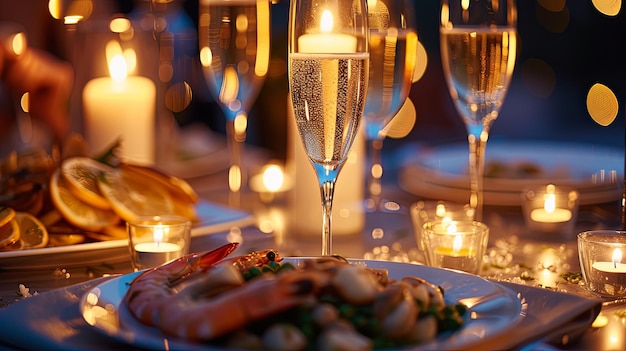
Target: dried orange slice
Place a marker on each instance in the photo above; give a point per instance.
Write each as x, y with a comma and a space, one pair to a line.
81, 174
33, 234
75, 211
132, 195
9, 234
6, 215
177, 187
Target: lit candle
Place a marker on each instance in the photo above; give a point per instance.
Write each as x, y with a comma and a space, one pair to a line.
152, 254
549, 213
613, 272
326, 42
121, 107
270, 181
455, 256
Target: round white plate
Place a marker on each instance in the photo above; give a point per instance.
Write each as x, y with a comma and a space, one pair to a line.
494, 309
441, 173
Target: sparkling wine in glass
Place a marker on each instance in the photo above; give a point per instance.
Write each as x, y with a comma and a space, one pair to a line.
234, 39
328, 76
393, 55
478, 50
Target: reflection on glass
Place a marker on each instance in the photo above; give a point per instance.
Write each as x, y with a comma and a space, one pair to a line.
234, 39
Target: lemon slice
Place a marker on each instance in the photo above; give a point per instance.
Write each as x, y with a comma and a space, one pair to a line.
9, 234
81, 174
132, 195
74, 210
33, 234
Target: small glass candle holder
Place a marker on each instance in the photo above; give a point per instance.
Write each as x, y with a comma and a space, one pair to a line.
601, 253
154, 240
430, 211
458, 245
550, 209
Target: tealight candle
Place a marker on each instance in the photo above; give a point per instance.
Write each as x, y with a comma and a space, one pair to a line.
156, 253
156, 240
611, 272
600, 254
455, 244
550, 209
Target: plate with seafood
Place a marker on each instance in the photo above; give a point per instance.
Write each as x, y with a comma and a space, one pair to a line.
457, 310
510, 166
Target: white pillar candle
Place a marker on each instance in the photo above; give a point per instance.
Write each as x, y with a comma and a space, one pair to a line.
326, 42
121, 108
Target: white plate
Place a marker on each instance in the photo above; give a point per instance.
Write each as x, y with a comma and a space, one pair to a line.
212, 218
495, 310
441, 173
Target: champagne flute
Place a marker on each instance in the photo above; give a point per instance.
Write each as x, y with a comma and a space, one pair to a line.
393, 56
478, 50
234, 39
328, 76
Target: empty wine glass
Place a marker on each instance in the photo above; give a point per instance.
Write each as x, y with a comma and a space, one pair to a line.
234, 39
393, 55
478, 50
328, 76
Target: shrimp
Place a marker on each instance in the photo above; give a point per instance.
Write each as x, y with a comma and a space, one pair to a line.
192, 315
147, 290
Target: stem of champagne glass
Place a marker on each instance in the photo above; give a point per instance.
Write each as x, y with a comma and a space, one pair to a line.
236, 172
477, 146
327, 189
374, 184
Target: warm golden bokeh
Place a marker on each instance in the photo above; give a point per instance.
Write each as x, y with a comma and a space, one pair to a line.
608, 7
602, 104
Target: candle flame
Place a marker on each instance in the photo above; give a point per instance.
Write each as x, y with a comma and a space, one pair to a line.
273, 178
326, 24
458, 242
158, 234
617, 257
550, 203
117, 68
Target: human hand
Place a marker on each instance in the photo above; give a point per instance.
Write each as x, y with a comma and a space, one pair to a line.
47, 79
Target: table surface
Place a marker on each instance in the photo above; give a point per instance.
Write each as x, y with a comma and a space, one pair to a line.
516, 255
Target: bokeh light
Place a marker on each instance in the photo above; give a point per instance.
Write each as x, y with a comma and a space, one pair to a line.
602, 104
608, 7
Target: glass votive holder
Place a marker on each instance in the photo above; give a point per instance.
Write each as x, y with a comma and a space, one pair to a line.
154, 240
550, 209
458, 245
430, 211
600, 254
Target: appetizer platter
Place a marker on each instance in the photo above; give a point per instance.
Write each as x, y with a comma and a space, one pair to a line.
263, 301
76, 205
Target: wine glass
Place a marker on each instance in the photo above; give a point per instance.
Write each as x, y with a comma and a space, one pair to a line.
393, 56
328, 76
478, 50
234, 39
